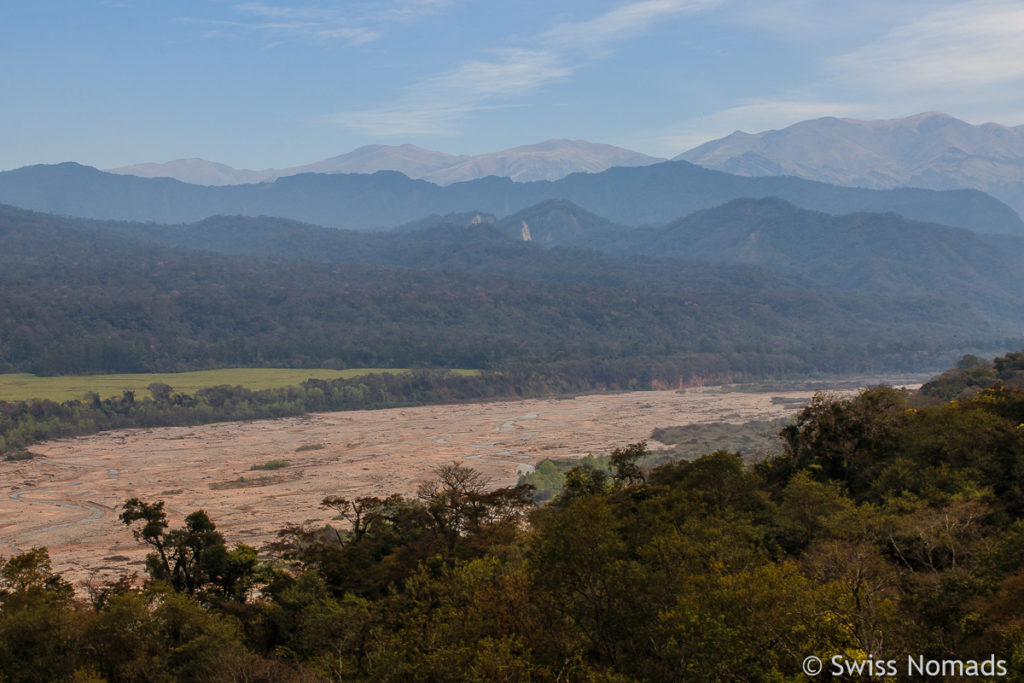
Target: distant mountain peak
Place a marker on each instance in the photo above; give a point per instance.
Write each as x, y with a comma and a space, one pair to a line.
930, 150
548, 160
628, 196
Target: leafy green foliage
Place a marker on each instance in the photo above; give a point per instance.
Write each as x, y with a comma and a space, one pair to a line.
973, 374
549, 476
276, 464
193, 559
39, 629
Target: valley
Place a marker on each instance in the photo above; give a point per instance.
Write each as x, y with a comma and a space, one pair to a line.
589, 361
68, 496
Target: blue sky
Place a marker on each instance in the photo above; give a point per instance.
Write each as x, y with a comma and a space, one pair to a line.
276, 84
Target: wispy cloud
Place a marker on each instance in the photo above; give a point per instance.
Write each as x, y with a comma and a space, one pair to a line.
436, 104
622, 23
968, 45
405, 119
354, 24
408, 11
812, 22
386, 12
962, 56
510, 72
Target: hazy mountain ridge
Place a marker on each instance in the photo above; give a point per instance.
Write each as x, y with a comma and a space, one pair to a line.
856, 252
196, 172
646, 195
867, 253
549, 160
89, 301
557, 222
930, 150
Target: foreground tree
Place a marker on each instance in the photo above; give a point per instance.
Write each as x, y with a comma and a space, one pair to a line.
194, 558
40, 632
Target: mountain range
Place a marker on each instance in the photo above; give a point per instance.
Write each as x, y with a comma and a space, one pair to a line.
643, 195
632, 262
549, 160
864, 252
930, 150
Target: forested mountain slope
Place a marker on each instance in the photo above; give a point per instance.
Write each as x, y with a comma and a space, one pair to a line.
877, 253
79, 300
858, 252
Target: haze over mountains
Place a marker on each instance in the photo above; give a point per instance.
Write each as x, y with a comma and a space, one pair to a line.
644, 195
736, 264
930, 150
549, 160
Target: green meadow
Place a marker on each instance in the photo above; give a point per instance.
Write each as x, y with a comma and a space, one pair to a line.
22, 386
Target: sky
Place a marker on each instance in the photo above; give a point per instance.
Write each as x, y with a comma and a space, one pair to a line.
274, 84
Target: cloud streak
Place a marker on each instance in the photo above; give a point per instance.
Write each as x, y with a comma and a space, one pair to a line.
622, 23
969, 45
434, 105
356, 24
437, 103
963, 57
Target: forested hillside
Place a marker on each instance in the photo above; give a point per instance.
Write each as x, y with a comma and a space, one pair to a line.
858, 252
884, 541
83, 301
875, 253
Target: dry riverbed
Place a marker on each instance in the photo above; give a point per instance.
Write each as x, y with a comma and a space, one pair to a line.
67, 498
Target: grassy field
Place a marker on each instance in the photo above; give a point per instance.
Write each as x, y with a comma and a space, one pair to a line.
18, 387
